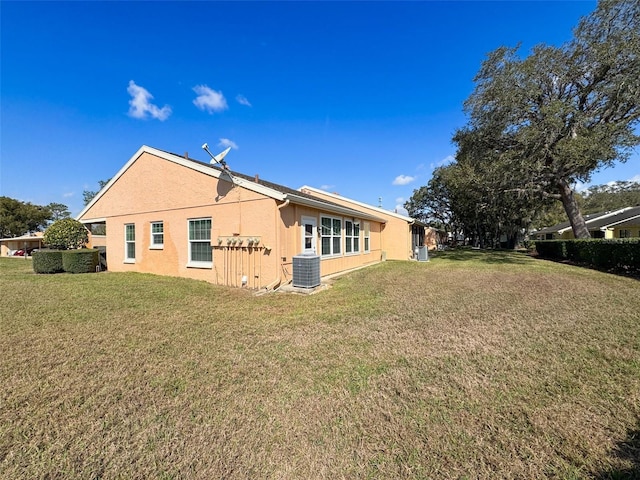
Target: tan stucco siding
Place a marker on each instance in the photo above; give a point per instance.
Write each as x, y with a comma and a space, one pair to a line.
254, 232
231, 262
292, 239
96, 241
396, 232
152, 184
156, 190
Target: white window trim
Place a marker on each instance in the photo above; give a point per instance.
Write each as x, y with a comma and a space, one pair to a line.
156, 246
352, 237
314, 234
332, 254
366, 245
128, 259
198, 264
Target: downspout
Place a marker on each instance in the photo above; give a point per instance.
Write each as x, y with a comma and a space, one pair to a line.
412, 254
278, 280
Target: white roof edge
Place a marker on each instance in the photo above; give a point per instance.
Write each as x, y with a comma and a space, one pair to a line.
356, 202
93, 220
596, 217
320, 205
194, 165
624, 220
22, 237
608, 214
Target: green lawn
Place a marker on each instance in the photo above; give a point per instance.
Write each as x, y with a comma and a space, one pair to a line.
472, 365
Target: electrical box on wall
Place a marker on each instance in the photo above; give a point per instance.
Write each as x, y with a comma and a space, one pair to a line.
236, 241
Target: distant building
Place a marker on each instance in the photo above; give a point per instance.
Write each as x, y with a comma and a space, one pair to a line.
623, 223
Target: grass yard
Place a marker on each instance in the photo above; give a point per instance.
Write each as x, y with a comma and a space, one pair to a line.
473, 365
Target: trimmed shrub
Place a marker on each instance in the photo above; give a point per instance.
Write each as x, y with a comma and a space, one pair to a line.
80, 261
47, 261
623, 253
67, 233
552, 249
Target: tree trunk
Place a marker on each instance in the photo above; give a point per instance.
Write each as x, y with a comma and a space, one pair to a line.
578, 225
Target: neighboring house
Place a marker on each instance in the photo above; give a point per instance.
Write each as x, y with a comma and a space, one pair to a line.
623, 223
401, 235
171, 215
8, 246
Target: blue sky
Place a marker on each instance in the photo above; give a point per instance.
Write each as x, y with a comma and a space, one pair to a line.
359, 98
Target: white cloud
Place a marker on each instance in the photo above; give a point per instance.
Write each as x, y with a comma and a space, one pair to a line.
403, 180
326, 187
242, 100
67, 194
400, 200
140, 105
209, 100
635, 179
401, 210
225, 142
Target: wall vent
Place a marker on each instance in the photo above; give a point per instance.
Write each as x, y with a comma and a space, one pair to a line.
306, 271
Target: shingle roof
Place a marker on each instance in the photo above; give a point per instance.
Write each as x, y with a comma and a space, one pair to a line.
274, 190
624, 215
596, 221
294, 195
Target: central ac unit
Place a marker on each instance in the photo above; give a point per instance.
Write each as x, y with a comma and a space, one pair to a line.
306, 271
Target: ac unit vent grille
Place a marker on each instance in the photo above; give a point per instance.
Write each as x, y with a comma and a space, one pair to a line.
306, 271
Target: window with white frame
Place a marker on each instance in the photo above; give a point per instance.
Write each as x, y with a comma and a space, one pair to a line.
330, 235
129, 243
367, 235
200, 243
351, 236
157, 235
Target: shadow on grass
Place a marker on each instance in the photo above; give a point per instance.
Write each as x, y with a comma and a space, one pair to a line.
487, 256
629, 451
622, 272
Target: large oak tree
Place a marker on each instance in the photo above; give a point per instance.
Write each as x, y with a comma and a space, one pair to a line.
556, 116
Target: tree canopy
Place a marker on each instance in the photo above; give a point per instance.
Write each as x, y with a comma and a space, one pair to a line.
18, 218
66, 233
58, 211
544, 122
87, 195
601, 198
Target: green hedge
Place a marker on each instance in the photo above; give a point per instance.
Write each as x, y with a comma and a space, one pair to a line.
47, 261
602, 253
71, 261
80, 261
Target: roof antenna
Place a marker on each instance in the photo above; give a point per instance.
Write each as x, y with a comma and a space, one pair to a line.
219, 158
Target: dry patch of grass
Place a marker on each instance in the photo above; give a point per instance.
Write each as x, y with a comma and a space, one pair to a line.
473, 365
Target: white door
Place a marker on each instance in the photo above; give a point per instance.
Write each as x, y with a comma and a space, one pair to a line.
309, 234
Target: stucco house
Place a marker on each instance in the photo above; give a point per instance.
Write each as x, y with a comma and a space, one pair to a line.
171, 215
401, 234
622, 223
